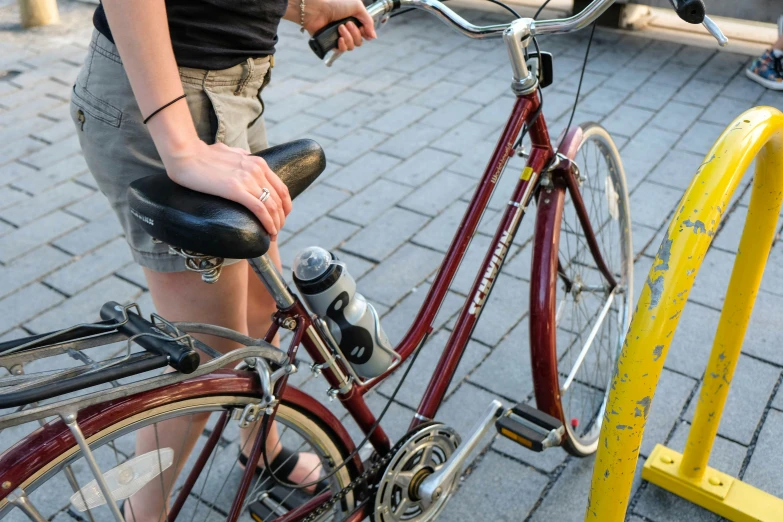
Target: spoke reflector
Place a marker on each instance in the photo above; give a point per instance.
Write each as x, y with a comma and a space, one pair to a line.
124, 480
612, 199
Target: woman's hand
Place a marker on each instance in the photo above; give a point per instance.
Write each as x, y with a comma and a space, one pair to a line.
319, 13
234, 174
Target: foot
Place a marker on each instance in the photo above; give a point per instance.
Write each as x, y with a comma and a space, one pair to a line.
308, 469
294, 468
767, 70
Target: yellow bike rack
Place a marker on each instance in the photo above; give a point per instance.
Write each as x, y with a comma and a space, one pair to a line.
758, 134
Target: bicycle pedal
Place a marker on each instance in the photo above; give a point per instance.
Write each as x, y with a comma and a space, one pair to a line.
531, 428
267, 506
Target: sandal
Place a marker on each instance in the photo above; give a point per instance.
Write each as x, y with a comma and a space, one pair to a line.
277, 496
284, 464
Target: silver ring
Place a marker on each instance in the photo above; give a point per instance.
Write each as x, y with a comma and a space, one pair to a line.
264, 194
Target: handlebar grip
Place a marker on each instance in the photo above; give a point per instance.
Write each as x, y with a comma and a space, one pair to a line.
691, 11
326, 38
182, 358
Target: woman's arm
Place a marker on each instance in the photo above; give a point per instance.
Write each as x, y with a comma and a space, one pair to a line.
140, 30
319, 13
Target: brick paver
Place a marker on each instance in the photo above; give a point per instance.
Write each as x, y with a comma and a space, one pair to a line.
408, 123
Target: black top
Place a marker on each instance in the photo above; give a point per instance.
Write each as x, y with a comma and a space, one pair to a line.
217, 34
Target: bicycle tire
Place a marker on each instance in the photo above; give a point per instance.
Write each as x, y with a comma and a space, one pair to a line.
310, 426
571, 370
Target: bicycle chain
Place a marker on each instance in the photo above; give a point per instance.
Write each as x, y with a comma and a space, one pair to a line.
326, 506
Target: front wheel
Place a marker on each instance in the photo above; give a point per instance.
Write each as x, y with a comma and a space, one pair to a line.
578, 318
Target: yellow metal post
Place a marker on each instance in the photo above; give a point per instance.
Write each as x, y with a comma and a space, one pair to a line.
745, 280
666, 291
38, 12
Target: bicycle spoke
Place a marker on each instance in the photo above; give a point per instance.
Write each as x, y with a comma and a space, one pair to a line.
299, 430
162, 481
133, 513
588, 343
181, 451
209, 505
261, 485
70, 476
257, 487
225, 481
200, 497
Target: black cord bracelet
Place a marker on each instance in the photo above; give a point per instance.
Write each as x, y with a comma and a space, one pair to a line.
172, 102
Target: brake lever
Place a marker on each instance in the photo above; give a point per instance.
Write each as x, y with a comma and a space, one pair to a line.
331, 56
715, 31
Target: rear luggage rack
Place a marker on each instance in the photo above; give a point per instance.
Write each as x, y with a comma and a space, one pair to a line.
164, 344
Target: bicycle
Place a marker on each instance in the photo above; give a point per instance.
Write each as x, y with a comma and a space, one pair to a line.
581, 298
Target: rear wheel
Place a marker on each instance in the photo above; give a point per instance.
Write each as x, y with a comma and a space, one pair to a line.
591, 317
63, 485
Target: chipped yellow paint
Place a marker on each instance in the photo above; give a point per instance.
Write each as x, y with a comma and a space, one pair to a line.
758, 133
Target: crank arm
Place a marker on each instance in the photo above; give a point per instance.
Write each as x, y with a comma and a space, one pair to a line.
433, 486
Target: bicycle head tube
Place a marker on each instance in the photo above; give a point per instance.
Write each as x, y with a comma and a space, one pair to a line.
517, 38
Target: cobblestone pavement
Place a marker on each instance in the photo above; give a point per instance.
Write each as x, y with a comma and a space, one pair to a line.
407, 124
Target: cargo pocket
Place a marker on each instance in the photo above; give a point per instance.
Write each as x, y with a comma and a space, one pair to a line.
256, 130
219, 113
236, 114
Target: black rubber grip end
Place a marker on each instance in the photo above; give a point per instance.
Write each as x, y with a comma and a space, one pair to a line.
182, 358
691, 11
326, 38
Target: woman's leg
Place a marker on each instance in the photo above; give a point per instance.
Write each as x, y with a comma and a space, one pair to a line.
183, 296
260, 308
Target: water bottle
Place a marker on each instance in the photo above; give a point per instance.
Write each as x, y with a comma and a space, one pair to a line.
330, 292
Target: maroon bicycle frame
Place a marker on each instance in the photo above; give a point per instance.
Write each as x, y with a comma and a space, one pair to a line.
52, 438
525, 107
526, 110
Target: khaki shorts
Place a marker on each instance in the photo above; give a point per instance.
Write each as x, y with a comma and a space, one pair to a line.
226, 106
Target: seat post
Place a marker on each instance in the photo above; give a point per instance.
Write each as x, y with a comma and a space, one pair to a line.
273, 281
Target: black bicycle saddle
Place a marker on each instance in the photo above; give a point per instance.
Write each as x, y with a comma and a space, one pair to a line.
214, 226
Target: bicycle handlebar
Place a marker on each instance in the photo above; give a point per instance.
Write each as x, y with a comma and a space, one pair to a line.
324, 42
694, 12
326, 39
574, 23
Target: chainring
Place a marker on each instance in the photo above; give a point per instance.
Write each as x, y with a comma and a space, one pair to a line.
424, 450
